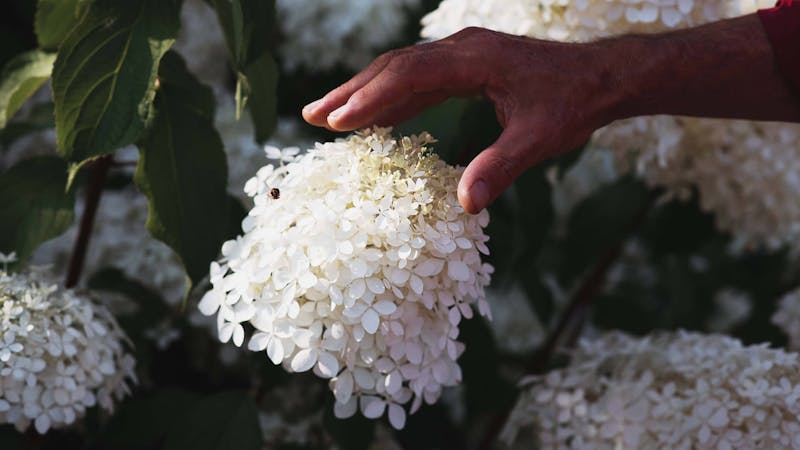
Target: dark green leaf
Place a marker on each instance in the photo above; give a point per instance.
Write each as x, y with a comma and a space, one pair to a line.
247, 25
183, 172
225, 421
21, 77
260, 80
54, 20
33, 204
144, 423
104, 78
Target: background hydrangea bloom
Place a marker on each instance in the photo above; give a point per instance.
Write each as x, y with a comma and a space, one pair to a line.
320, 34
746, 173
60, 353
358, 262
670, 390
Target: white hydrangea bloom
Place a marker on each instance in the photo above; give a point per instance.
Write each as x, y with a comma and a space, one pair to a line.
60, 353
673, 390
321, 34
572, 20
746, 173
732, 307
357, 261
787, 318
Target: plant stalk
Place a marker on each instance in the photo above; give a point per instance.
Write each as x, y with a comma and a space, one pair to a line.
94, 190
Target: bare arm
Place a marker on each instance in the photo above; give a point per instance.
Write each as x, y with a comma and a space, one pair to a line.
549, 97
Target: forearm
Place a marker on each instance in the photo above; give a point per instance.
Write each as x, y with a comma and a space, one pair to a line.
725, 69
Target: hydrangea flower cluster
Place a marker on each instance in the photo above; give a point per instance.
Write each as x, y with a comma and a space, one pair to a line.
787, 318
60, 353
572, 20
746, 173
321, 34
671, 390
358, 262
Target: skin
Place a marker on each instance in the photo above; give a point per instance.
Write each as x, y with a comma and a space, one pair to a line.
550, 97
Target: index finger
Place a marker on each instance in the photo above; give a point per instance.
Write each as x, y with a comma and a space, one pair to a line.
316, 113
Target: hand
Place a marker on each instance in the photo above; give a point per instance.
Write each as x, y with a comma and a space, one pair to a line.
549, 97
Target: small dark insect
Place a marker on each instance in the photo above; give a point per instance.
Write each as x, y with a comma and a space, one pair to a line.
275, 193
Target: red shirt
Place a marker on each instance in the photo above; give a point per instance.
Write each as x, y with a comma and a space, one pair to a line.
782, 24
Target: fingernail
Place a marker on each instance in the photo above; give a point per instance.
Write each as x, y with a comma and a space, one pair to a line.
312, 106
479, 194
338, 112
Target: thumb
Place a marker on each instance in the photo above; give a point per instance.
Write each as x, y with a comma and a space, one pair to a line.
495, 168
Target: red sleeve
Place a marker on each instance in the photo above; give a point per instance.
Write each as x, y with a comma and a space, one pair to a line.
782, 24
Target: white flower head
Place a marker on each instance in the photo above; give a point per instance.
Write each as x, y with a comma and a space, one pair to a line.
322, 34
573, 20
60, 353
746, 173
358, 262
668, 390
787, 318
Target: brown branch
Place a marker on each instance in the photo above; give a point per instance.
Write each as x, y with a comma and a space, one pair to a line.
97, 178
574, 316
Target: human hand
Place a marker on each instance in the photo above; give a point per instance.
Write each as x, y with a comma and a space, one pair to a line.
549, 97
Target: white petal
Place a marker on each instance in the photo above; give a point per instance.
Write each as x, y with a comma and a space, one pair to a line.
226, 331
210, 302
385, 307
414, 352
416, 284
275, 351
304, 360
393, 382
374, 408
258, 342
454, 316
42, 423
356, 289
238, 335
397, 416
343, 387
345, 410
376, 285
370, 321
457, 270
328, 364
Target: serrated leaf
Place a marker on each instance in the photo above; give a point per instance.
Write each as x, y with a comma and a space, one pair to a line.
183, 171
105, 75
54, 20
247, 25
21, 77
225, 421
33, 204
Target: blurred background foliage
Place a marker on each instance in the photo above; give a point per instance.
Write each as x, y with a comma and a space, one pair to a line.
569, 260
